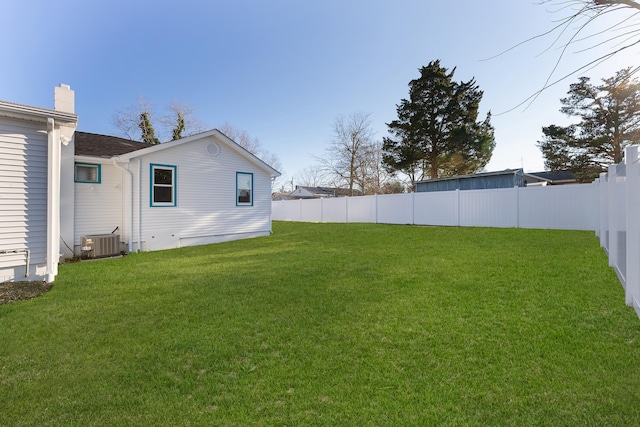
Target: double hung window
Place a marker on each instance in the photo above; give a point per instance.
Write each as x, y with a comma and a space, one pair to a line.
163, 185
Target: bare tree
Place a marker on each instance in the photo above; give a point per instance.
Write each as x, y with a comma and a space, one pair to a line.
312, 176
135, 121
373, 176
577, 29
347, 151
241, 137
128, 119
252, 145
181, 121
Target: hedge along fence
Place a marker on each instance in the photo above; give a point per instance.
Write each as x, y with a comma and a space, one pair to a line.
568, 207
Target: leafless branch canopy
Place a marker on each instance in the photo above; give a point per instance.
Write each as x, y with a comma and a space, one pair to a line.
577, 27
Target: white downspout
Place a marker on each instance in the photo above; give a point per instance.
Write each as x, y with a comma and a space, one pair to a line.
53, 202
129, 225
140, 204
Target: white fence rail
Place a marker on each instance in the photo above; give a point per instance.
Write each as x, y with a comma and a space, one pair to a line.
610, 206
569, 207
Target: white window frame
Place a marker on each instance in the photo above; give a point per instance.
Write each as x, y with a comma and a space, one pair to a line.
174, 185
240, 175
98, 168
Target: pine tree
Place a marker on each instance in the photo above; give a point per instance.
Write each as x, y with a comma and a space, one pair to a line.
609, 121
436, 133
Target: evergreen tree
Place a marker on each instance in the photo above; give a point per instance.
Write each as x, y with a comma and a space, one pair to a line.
179, 127
148, 134
609, 121
436, 133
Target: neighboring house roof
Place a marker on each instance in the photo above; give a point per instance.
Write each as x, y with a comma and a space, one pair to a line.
302, 192
92, 144
551, 178
88, 144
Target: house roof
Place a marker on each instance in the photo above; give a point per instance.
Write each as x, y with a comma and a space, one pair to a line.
557, 176
27, 112
95, 145
92, 144
302, 191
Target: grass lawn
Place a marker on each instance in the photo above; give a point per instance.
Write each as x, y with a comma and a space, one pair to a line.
335, 325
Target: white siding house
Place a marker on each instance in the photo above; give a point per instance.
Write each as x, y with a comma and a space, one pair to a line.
196, 190
34, 145
58, 185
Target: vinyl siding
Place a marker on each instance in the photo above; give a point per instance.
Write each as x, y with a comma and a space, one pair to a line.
98, 207
23, 195
206, 198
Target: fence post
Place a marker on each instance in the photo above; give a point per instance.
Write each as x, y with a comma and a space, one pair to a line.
346, 209
632, 289
613, 227
376, 206
321, 209
458, 205
517, 190
604, 209
413, 208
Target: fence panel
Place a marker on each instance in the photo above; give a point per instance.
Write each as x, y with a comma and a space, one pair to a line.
564, 207
632, 289
311, 210
290, 210
489, 208
436, 208
395, 208
335, 209
362, 209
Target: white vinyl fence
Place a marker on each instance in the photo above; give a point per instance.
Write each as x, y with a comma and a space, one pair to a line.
618, 222
610, 206
568, 207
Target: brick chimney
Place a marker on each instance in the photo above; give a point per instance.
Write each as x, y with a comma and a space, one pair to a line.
63, 99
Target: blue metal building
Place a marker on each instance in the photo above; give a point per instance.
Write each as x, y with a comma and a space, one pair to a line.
507, 178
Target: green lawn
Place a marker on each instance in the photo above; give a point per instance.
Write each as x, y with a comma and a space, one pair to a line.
335, 325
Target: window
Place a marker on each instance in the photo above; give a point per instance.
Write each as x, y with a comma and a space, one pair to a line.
244, 189
88, 173
163, 185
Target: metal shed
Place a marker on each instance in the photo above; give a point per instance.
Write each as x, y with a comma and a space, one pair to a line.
507, 178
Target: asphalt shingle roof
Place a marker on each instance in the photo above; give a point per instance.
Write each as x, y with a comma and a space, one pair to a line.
92, 144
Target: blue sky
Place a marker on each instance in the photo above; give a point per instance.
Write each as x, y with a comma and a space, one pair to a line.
283, 70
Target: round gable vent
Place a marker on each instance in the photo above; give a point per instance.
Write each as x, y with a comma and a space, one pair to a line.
213, 149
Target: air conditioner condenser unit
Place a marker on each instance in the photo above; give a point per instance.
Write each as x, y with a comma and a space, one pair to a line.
100, 245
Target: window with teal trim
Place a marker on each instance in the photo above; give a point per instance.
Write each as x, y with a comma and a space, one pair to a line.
163, 185
244, 189
88, 173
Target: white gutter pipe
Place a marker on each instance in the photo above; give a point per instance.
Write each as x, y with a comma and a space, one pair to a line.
140, 204
53, 202
129, 226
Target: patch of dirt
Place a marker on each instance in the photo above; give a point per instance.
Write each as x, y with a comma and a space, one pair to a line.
17, 291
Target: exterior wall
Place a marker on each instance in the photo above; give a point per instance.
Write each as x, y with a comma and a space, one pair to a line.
67, 200
205, 210
99, 207
474, 182
23, 198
